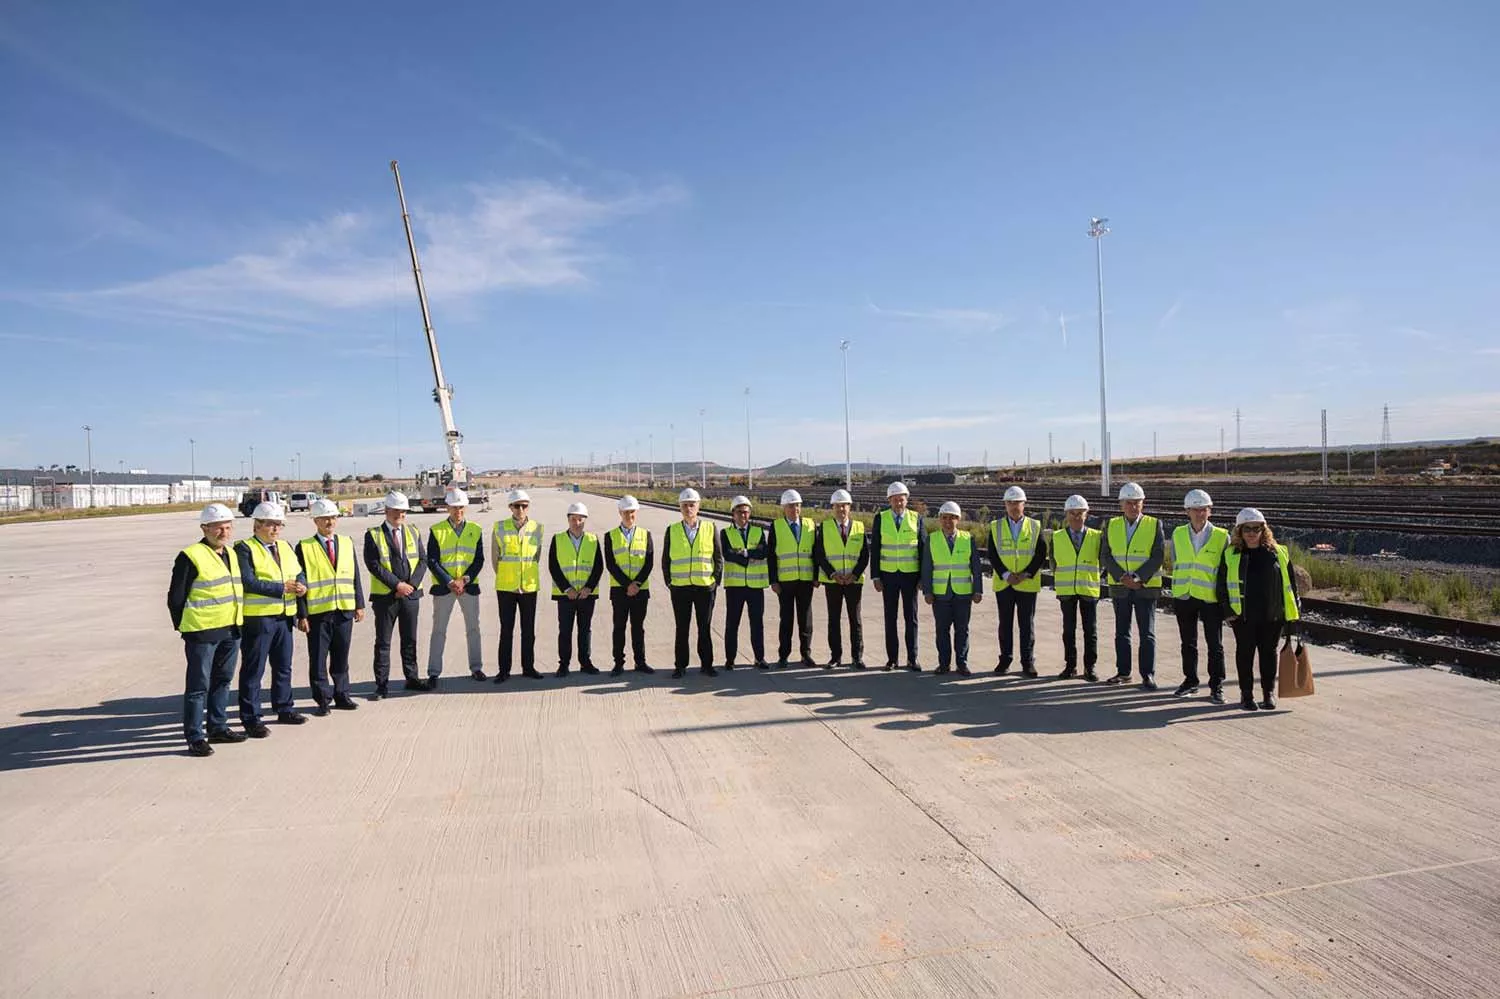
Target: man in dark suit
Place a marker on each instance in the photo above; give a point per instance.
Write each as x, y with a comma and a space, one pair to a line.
335, 600
393, 554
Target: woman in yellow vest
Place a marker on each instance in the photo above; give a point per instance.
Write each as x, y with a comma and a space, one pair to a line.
951, 584
207, 603
516, 551
1258, 593
840, 555
691, 568
1017, 554
575, 566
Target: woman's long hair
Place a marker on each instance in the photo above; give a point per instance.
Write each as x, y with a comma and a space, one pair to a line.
1237, 539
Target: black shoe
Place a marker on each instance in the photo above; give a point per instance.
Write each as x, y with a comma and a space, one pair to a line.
643, 668
200, 747
417, 685
708, 671
807, 663
561, 671
1268, 703
1003, 666
1068, 673
619, 668
477, 675
729, 666
344, 704
291, 718
889, 666
1148, 683
382, 692
914, 667
858, 664
257, 731
1117, 679
782, 664
1029, 671
432, 682
940, 670
964, 671
1186, 688
830, 664
1216, 695
1248, 704
501, 677
1090, 676
762, 664
226, 736
679, 673
589, 668
321, 711
532, 674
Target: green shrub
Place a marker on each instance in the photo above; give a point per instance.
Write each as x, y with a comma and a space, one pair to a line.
1388, 584
1458, 588
1436, 602
1495, 602
1418, 588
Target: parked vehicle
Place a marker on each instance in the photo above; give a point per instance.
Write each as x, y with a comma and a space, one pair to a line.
300, 501
251, 498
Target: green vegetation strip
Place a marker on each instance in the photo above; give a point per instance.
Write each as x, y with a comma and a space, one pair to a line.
83, 513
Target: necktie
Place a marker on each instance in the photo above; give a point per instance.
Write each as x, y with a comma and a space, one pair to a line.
844, 532
275, 550
331, 549
397, 543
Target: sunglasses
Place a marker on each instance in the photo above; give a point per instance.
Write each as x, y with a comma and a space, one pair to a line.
1251, 528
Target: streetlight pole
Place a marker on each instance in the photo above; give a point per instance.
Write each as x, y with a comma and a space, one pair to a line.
299, 466
252, 462
1097, 231
702, 449
88, 433
650, 460
848, 462
673, 428
749, 463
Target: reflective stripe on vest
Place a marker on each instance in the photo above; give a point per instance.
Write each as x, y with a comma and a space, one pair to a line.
952, 568
410, 539
329, 587
898, 543
516, 551
456, 549
842, 555
1015, 553
216, 598
1075, 572
1195, 573
630, 558
577, 564
1132, 555
692, 562
793, 554
1232, 558
267, 571
757, 576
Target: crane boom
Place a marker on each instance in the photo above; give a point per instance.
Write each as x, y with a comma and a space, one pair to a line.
442, 392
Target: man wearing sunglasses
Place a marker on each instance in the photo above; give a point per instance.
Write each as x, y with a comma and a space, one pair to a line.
516, 552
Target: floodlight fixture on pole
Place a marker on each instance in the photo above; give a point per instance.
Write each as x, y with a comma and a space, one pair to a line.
1098, 229
848, 460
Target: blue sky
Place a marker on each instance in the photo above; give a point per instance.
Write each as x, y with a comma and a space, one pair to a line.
629, 212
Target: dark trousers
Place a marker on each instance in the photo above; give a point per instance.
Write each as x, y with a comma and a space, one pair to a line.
512, 605
581, 613
1072, 607
1014, 605
210, 669
737, 599
1189, 612
951, 614
795, 601
265, 638
633, 609
392, 611
688, 602
849, 596
1141, 605
1251, 639
900, 586
329, 637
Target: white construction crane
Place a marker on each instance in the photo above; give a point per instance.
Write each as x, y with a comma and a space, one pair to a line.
432, 484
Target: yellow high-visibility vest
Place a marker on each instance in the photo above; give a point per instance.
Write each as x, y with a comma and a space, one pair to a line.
842, 555
952, 568
216, 598
267, 571
457, 549
329, 587
898, 542
516, 550
577, 564
692, 562
1075, 571
1015, 553
1133, 554
755, 576
409, 539
629, 557
793, 553
1195, 573
1232, 558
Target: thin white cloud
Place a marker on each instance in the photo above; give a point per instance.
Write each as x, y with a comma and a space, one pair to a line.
532, 234
976, 320
1170, 314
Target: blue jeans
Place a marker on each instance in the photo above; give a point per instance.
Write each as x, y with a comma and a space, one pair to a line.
1142, 604
265, 637
952, 612
210, 668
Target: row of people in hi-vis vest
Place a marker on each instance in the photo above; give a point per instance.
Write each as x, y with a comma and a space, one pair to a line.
245, 601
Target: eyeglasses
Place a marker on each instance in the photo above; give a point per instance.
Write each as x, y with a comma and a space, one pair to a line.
519, 506
1252, 528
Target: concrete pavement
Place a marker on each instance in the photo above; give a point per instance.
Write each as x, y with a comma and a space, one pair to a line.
778, 834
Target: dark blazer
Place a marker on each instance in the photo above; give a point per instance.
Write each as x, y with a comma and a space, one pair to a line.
399, 571
874, 543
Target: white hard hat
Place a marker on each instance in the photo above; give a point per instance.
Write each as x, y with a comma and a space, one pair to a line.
790, 496
1015, 494
517, 496
688, 495
215, 513
740, 501
456, 497
950, 507
1075, 502
268, 511
1131, 491
324, 508
1249, 515
840, 496
628, 503
1196, 499
396, 500
897, 489
580, 509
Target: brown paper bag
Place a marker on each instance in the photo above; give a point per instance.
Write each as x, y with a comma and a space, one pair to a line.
1294, 676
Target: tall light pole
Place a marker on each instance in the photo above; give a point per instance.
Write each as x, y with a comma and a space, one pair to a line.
702, 449
673, 428
749, 465
299, 466
252, 462
848, 462
1097, 231
88, 434
650, 459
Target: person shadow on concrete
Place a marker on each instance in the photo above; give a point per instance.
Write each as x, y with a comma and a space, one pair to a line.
122, 729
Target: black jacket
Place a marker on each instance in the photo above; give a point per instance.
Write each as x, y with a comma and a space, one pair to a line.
560, 580
399, 571
820, 557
